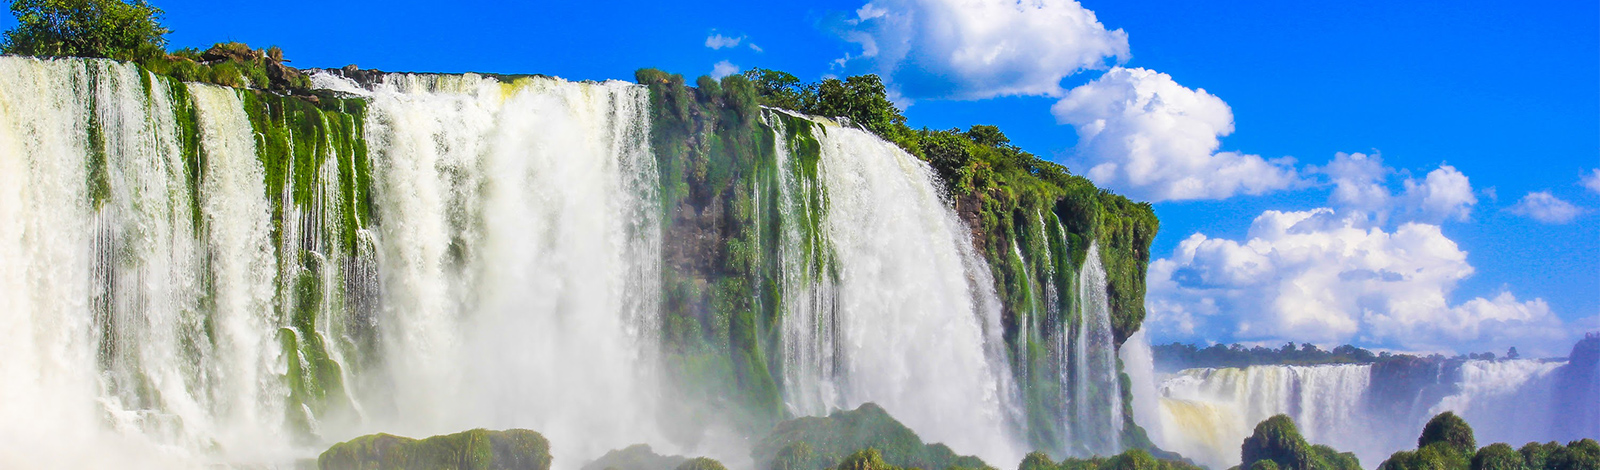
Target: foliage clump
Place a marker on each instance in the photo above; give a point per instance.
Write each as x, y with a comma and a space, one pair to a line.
111, 29
1132, 459
1448, 429
478, 449
842, 440
1447, 443
1278, 441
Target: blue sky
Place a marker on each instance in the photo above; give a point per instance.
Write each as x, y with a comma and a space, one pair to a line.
1457, 217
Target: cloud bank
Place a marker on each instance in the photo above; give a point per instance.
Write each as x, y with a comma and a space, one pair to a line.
1326, 277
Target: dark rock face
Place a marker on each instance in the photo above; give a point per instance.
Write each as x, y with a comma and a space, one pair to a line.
478, 449
1578, 389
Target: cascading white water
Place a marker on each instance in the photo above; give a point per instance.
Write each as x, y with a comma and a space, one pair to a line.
106, 271
154, 277
1139, 362
1509, 401
144, 319
520, 259
810, 307
1097, 402
914, 327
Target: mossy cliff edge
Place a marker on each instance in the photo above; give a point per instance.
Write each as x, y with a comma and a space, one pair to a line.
1031, 219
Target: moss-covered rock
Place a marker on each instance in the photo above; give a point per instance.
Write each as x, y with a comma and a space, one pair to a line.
821, 443
636, 457
478, 449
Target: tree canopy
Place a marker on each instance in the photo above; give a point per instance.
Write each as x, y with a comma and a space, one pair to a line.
114, 29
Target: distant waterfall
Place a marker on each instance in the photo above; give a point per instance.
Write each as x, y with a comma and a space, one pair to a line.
1206, 413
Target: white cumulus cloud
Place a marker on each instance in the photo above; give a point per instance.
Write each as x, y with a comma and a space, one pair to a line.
1326, 277
1143, 133
1545, 207
1591, 180
1361, 186
1445, 194
976, 49
723, 69
718, 41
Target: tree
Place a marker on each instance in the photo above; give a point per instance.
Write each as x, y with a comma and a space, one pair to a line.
114, 29
1451, 430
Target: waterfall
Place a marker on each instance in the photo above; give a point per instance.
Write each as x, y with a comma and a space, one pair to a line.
1097, 398
1139, 362
810, 341
197, 276
1510, 401
520, 258
906, 274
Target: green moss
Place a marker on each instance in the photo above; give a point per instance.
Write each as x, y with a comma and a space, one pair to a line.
517, 449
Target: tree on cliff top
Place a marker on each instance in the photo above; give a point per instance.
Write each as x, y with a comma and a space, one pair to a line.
115, 29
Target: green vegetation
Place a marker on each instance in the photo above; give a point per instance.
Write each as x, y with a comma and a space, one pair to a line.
1276, 443
1450, 430
720, 231
113, 29
838, 441
701, 463
1183, 356
1133, 459
236, 65
514, 449
636, 457
1447, 443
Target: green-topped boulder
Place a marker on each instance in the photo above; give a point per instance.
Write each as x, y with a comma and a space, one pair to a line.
636, 457
478, 449
822, 443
